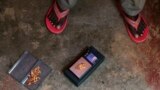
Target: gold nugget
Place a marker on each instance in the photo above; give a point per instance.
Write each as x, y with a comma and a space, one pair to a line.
34, 76
81, 66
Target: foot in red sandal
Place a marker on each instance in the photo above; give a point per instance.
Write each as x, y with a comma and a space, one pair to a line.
137, 29
56, 19
136, 26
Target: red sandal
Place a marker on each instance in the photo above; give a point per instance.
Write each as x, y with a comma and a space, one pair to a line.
56, 20
138, 29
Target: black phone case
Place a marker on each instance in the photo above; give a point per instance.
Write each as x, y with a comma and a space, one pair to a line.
73, 78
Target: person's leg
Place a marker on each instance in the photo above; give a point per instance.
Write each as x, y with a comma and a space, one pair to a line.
66, 4
132, 7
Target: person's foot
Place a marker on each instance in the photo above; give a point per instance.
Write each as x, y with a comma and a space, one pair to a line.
136, 26
56, 19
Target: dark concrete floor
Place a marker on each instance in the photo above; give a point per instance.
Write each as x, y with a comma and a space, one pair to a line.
91, 22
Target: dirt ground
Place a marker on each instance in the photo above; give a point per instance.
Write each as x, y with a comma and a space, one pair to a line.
128, 66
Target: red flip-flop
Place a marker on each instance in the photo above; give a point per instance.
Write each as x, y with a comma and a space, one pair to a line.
138, 27
55, 19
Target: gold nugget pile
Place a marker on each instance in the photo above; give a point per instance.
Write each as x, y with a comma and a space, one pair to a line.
34, 76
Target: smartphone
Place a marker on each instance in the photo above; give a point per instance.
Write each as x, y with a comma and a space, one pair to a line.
84, 66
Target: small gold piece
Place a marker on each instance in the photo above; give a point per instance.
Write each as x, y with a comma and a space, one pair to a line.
81, 66
34, 76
